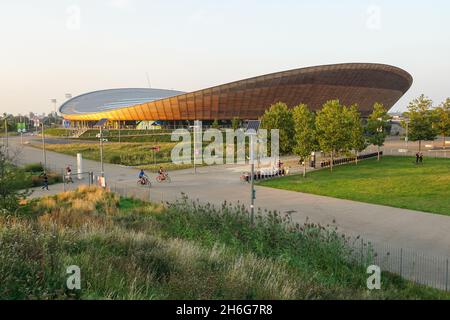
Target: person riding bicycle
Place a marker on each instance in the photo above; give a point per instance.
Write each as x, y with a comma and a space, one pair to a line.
142, 176
162, 173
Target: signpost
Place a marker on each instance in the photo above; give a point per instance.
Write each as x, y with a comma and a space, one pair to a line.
155, 149
21, 128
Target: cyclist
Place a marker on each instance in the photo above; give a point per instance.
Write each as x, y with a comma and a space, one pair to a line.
142, 176
162, 174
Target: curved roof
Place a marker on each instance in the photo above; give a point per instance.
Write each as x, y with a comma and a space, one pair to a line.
112, 99
360, 83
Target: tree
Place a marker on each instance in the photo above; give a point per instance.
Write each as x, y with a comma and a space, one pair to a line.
278, 116
420, 120
443, 119
305, 133
215, 124
378, 126
11, 181
333, 128
357, 139
235, 123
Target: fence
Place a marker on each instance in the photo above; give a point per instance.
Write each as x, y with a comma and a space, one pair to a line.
418, 267
339, 161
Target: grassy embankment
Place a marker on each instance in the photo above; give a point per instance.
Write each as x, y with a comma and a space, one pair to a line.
394, 181
131, 250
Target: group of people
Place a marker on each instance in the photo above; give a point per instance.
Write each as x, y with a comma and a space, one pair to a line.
419, 157
144, 179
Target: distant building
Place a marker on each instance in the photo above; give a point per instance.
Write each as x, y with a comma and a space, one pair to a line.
360, 83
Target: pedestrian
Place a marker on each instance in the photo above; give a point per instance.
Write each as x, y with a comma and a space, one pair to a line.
69, 174
421, 157
417, 157
45, 181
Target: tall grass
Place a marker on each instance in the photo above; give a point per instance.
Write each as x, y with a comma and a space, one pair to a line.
128, 249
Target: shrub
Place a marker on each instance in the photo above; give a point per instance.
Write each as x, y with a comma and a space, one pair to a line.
115, 159
34, 168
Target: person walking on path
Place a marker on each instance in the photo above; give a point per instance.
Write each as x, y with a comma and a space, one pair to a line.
417, 157
69, 174
421, 157
45, 181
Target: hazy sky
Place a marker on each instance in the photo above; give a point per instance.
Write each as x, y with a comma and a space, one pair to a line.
49, 48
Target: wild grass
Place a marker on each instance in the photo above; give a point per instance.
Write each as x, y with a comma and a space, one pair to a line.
128, 249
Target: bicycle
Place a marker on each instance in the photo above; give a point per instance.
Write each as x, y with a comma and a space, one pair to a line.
144, 181
163, 178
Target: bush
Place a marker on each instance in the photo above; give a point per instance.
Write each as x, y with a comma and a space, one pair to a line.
36, 180
115, 159
34, 168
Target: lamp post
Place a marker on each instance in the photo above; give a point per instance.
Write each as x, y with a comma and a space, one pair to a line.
54, 101
100, 124
197, 125
252, 131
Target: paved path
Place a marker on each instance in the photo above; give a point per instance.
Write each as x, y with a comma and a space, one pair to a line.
421, 231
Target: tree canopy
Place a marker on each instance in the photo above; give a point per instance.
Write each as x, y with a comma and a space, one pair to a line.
278, 116
378, 126
420, 120
305, 133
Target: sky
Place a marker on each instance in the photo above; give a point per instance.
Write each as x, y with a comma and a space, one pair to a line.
53, 47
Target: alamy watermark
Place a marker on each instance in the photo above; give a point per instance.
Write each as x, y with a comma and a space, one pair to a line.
228, 146
74, 280
374, 280
73, 20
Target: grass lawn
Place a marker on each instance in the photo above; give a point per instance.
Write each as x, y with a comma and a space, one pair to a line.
136, 154
394, 181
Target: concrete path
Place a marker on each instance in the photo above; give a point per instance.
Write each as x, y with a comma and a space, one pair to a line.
425, 232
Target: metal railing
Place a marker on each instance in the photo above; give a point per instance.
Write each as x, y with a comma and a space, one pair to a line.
410, 264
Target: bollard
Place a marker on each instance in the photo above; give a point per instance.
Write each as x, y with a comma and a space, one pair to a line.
80, 166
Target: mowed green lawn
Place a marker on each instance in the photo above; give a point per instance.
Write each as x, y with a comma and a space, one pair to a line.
394, 181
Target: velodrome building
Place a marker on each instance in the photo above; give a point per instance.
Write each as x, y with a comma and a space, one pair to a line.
360, 83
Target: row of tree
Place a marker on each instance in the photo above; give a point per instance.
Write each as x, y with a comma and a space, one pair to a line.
337, 128
424, 122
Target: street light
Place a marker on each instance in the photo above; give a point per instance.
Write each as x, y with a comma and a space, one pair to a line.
54, 101
100, 124
252, 131
197, 125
